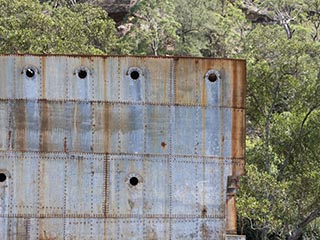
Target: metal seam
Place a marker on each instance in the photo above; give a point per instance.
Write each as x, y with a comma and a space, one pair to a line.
119, 102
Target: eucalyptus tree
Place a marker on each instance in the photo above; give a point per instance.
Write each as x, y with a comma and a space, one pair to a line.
26, 26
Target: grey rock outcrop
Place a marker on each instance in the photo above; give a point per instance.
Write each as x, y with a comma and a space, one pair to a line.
117, 9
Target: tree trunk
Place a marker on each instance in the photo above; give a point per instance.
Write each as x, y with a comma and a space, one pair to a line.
311, 217
264, 235
296, 234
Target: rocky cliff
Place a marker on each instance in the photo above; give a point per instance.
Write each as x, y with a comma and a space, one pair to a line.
117, 9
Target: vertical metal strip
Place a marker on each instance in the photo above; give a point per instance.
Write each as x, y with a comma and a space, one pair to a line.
66, 149
173, 80
118, 148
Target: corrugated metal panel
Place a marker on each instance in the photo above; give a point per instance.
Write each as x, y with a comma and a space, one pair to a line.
119, 147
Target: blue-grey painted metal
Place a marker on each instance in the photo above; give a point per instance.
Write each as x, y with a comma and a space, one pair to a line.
112, 147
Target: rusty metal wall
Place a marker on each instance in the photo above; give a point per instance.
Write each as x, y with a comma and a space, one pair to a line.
118, 147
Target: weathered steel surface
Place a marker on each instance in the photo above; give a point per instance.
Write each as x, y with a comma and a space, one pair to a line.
235, 237
119, 147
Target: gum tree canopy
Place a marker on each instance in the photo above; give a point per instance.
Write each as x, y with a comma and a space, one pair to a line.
26, 26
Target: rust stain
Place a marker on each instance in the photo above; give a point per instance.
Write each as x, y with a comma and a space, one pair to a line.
44, 126
238, 139
9, 139
22, 230
204, 211
151, 234
204, 99
175, 72
47, 236
166, 69
205, 232
20, 128
238, 116
231, 217
65, 148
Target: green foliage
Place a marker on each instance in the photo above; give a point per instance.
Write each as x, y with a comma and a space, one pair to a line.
283, 116
155, 27
29, 27
210, 28
263, 201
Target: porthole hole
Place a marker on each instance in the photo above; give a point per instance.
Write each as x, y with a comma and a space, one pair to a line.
82, 74
30, 72
134, 181
212, 77
3, 177
134, 75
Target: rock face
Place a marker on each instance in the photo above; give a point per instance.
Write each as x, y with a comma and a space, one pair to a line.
117, 9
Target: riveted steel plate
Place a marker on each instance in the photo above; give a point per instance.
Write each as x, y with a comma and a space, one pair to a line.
116, 147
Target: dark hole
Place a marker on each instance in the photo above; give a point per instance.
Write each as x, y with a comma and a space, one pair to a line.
134, 181
30, 73
3, 177
134, 75
163, 144
213, 77
82, 74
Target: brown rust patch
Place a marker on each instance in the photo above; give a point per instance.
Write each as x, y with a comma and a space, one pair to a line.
19, 125
238, 114
204, 211
44, 125
9, 138
65, 148
239, 84
238, 133
163, 144
204, 98
22, 229
231, 218
205, 232
47, 236
151, 234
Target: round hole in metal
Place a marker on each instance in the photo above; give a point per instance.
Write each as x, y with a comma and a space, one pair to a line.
212, 77
134, 75
3, 177
82, 74
134, 181
30, 72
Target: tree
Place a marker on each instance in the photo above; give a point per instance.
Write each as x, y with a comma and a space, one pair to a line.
210, 28
279, 197
30, 27
154, 27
